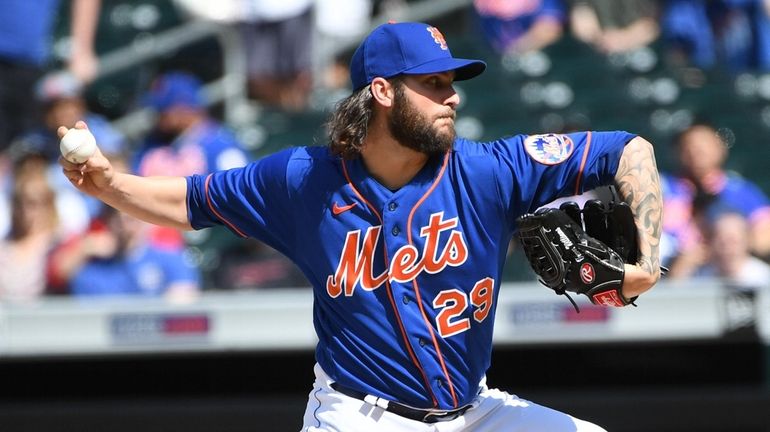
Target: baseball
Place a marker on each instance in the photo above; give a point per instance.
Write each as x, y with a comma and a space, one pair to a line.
77, 145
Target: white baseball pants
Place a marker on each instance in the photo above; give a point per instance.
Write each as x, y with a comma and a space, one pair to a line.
492, 411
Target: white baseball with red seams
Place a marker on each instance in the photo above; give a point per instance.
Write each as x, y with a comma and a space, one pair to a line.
77, 145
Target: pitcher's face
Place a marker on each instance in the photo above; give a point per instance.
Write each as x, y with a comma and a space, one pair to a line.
424, 111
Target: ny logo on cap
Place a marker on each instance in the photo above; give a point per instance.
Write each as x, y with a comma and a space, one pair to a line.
437, 37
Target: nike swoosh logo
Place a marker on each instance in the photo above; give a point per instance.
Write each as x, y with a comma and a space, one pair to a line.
337, 209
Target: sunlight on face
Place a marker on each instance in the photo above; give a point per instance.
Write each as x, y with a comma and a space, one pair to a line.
414, 126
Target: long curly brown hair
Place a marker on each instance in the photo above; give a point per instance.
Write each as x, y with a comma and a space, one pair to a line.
348, 125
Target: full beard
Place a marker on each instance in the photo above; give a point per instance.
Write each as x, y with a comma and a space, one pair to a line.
415, 131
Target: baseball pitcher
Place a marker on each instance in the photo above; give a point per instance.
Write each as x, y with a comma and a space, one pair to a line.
402, 228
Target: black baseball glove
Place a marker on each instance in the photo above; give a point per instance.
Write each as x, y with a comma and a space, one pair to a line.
582, 250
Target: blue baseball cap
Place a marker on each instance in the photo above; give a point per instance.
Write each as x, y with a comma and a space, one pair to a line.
174, 89
407, 48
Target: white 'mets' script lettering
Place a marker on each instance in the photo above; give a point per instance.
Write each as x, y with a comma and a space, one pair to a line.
357, 257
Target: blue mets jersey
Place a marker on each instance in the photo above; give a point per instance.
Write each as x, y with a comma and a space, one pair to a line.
405, 282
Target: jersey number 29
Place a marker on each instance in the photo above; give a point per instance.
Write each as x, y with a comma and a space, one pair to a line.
454, 302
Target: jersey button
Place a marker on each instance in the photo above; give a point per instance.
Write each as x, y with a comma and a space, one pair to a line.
395, 231
422, 342
439, 383
392, 206
405, 300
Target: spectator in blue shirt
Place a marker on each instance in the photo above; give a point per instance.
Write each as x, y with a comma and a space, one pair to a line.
186, 139
706, 34
514, 27
115, 258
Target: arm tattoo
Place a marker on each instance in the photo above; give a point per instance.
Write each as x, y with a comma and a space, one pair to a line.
639, 185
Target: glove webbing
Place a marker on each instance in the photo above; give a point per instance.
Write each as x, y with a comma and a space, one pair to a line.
544, 266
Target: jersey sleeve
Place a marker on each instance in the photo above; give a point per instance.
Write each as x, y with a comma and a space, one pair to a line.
550, 166
251, 201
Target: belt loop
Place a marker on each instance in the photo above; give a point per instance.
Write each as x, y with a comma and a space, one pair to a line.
376, 401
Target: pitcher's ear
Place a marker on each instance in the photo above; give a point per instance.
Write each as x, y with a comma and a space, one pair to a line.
382, 92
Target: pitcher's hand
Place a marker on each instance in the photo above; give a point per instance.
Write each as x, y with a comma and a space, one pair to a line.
92, 177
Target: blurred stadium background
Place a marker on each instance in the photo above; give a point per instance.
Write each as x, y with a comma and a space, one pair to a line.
691, 357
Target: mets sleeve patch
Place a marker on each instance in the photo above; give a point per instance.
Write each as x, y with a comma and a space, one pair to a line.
549, 149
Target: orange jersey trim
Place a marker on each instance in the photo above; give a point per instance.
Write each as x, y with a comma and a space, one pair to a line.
388, 289
417, 288
583, 163
216, 213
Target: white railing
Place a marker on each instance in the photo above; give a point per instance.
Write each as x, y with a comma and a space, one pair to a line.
282, 319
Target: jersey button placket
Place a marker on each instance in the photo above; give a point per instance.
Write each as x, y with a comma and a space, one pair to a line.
420, 339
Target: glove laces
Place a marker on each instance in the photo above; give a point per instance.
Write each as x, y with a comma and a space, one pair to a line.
563, 291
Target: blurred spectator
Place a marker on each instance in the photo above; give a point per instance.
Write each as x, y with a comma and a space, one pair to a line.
733, 33
251, 264
115, 258
64, 105
278, 39
702, 185
26, 29
335, 30
33, 229
70, 204
515, 27
688, 34
615, 26
729, 257
185, 140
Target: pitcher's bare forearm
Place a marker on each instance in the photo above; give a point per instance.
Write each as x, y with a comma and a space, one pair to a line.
157, 200
639, 185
